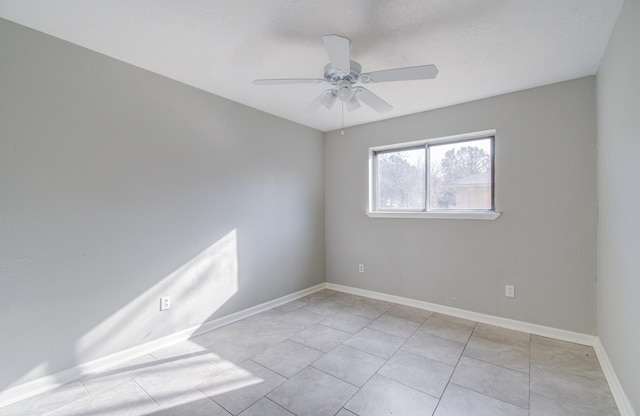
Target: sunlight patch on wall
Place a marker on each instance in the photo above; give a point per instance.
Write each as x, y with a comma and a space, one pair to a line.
197, 289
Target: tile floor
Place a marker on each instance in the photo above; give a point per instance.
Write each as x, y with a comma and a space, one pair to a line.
332, 353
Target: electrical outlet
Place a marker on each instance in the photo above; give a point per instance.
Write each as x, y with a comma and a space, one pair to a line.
510, 291
361, 268
165, 303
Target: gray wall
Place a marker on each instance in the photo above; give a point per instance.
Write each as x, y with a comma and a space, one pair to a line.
618, 90
118, 186
545, 185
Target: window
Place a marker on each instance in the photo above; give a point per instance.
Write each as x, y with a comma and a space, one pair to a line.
440, 178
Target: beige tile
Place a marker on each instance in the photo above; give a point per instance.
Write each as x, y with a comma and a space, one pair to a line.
301, 318
313, 393
459, 401
375, 342
498, 382
421, 373
410, 314
99, 382
435, 348
346, 322
454, 329
382, 397
324, 305
241, 340
369, 308
265, 407
47, 402
320, 337
557, 405
348, 298
124, 399
561, 388
454, 319
192, 403
345, 412
349, 364
190, 349
287, 358
263, 328
169, 379
509, 356
395, 326
239, 388
502, 335
575, 358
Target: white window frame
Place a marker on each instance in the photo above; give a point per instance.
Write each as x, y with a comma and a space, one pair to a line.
490, 214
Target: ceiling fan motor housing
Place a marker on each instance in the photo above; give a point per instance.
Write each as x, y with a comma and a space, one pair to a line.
342, 80
333, 75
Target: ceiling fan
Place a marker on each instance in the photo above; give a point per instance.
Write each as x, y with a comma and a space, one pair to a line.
342, 74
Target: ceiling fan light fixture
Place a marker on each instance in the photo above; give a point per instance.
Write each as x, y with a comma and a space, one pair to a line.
352, 104
328, 99
344, 91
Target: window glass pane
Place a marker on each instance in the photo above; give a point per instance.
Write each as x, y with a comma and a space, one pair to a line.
460, 175
401, 180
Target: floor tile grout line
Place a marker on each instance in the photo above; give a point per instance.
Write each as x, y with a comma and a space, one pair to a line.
394, 354
147, 393
413, 388
351, 384
93, 397
497, 365
277, 404
85, 388
442, 337
386, 360
487, 395
320, 323
454, 369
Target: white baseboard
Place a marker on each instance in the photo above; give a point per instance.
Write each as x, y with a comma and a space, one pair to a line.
622, 401
49, 382
545, 331
624, 404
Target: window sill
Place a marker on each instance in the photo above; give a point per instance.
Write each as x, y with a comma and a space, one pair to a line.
458, 215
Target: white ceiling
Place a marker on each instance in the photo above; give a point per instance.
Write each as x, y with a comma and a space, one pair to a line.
481, 47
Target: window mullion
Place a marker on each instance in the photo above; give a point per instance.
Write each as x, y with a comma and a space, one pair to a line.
375, 185
427, 170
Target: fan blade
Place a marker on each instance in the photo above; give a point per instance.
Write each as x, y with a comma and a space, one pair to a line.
338, 51
352, 104
373, 101
404, 74
313, 81
326, 98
